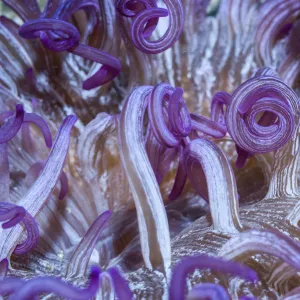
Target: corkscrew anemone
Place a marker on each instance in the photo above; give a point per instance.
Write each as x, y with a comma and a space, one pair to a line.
176, 149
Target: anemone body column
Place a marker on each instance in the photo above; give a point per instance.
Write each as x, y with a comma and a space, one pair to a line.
152, 218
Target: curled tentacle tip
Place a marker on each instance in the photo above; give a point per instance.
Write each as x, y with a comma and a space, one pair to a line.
179, 116
277, 103
4, 266
103, 76
95, 272
138, 36
19, 108
145, 23
42, 125
64, 185
242, 157
4, 261
107, 213
70, 118
9, 130
105, 216
58, 35
12, 215
3, 269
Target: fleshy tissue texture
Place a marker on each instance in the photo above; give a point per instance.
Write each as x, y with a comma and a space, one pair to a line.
149, 149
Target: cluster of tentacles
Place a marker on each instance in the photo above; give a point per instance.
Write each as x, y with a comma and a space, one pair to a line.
155, 140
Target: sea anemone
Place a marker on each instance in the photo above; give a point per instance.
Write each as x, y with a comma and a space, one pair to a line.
174, 169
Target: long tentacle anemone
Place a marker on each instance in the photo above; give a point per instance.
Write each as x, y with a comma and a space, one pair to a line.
181, 177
